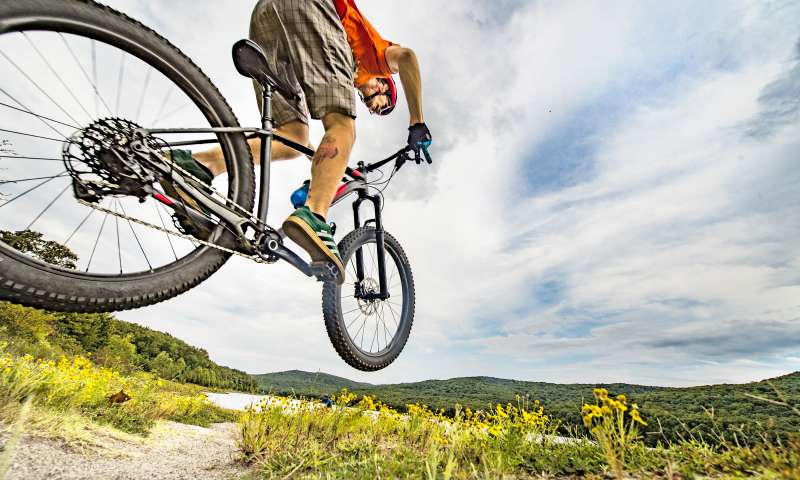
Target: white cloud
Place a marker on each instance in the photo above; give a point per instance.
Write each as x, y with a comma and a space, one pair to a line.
682, 225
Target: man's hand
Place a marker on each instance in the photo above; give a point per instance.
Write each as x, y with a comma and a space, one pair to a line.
419, 138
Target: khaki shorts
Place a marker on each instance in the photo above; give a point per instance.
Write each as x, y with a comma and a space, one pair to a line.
306, 45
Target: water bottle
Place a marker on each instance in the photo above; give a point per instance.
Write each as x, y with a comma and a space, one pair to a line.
300, 195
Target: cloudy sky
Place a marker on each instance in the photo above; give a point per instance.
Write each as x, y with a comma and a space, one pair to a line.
615, 195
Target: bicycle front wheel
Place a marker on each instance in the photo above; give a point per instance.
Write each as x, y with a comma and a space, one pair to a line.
74, 69
367, 332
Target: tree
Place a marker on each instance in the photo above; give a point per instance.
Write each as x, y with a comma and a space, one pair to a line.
27, 323
164, 366
29, 241
91, 330
119, 353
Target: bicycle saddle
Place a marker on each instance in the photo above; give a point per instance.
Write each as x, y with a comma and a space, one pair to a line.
251, 61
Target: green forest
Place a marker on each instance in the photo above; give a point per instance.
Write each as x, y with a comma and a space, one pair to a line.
113, 343
102, 337
673, 413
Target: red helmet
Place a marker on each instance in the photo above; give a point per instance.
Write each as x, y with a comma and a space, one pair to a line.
391, 95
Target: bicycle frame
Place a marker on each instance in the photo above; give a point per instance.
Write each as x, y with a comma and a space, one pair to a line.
268, 239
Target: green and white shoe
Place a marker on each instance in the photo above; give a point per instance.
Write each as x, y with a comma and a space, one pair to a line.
315, 237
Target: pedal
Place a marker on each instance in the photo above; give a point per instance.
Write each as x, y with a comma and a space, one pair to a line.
324, 271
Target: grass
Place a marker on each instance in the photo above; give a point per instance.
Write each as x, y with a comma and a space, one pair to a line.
72, 387
362, 438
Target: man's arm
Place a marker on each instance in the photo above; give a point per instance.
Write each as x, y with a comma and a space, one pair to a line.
403, 60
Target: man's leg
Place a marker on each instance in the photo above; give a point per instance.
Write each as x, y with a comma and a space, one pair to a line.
306, 226
295, 130
330, 161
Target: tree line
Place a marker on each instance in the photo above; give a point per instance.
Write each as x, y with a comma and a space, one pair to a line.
113, 343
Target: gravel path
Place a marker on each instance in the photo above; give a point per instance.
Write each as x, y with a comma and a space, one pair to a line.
173, 451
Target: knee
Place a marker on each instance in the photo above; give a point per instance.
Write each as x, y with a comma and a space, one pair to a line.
295, 131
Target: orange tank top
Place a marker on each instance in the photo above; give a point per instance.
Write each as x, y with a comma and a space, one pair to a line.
369, 48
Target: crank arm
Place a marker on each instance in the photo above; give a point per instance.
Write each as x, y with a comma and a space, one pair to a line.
323, 271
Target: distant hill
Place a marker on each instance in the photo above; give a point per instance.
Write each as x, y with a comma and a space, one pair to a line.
305, 383
681, 411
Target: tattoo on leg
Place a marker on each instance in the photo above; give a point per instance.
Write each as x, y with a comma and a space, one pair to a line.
326, 151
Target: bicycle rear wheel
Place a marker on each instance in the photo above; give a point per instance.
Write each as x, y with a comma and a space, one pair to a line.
56, 83
369, 333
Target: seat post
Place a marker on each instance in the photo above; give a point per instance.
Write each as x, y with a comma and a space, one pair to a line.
265, 151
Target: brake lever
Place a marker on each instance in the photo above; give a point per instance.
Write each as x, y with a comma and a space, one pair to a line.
402, 158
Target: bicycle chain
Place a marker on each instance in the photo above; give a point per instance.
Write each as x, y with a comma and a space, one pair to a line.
214, 191
255, 258
185, 173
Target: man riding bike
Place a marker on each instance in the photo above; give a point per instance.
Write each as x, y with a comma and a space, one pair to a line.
323, 47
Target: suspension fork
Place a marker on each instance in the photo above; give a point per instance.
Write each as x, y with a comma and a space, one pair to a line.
379, 242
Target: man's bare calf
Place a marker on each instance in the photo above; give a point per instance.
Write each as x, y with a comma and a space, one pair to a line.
296, 131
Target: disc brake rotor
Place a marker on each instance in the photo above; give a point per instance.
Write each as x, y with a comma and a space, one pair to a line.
368, 307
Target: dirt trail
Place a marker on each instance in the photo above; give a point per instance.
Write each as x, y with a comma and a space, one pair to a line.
173, 451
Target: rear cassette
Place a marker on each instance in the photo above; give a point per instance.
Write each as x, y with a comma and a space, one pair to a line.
100, 161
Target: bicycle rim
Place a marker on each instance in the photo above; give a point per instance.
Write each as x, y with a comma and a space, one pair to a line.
62, 76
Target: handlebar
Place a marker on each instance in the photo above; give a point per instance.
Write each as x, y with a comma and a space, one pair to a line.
398, 157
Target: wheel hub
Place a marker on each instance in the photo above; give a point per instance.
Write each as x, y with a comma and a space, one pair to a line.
367, 300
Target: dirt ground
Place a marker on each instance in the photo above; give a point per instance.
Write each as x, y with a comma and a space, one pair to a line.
172, 451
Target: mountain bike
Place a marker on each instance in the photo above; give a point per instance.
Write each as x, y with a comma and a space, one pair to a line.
90, 104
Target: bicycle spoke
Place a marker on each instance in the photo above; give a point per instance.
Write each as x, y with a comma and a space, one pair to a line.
355, 271
97, 240
372, 263
353, 321
31, 189
86, 75
195, 244
384, 328
54, 72
119, 248
33, 158
171, 113
31, 80
359, 330
21, 180
41, 118
32, 135
394, 270
53, 84
121, 74
350, 311
48, 206
136, 237
391, 310
91, 211
389, 332
163, 104
374, 337
169, 239
141, 99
